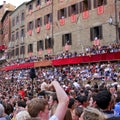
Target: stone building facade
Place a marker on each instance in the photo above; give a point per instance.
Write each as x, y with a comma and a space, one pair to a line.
51, 25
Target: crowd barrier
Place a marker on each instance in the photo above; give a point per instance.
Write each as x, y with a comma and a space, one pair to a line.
66, 61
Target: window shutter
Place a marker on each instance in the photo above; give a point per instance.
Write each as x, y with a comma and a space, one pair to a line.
70, 40
41, 21
89, 4
32, 25
105, 2
46, 44
65, 12
91, 34
45, 18
28, 27
100, 32
95, 3
36, 23
63, 40
51, 17
81, 6
69, 11
58, 14
76, 6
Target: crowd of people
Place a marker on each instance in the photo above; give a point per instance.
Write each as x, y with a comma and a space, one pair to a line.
67, 54
73, 92
77, 92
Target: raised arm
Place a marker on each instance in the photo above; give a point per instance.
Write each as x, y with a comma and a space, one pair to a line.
62, 101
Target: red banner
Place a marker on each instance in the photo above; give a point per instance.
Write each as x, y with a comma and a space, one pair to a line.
30, 32
85, 14
47, 26
38, 29
62, 21
73, 18
100, 10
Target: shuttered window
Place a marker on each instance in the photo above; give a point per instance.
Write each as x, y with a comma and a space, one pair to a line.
22, 50
85, 5
73, 9
96, 32
48, 43
66, 38
99, 3
48, 18
62, 13
30, 48
38, 22
30, 26
40, 45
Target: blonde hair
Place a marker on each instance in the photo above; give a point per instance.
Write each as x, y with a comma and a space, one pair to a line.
91, 113
23, 115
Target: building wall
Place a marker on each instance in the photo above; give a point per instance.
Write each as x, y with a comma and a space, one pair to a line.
80, 30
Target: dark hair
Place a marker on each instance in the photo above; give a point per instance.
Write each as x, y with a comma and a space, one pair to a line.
71, 102
102, 99
113, 118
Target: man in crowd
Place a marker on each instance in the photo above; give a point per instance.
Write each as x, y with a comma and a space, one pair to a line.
38, 108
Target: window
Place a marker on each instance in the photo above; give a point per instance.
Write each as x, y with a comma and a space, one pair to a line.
38, 2
48, 43
12, 53
40, 45
30, 7
62, 13
73, 9
66, 38
22, 50
17, 52
85, 5
13, 37
96, 32
22, 33
47, 18
30, 25
38, 22
17, 20
13, 22
17, 35
98, 3
22, 16
30, 48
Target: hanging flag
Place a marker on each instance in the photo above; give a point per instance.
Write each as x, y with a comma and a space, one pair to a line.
30, 32
85, 14
30, 54
62, 21
67, 47
38, 29
47, 26
49, 50
73, 18
30, 12
100, 9
40, 51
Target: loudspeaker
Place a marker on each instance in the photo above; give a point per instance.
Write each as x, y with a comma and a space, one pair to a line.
32, 73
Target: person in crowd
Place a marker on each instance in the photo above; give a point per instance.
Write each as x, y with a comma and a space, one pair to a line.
103, 101
91, 113
23, 115
39, 107
76, 114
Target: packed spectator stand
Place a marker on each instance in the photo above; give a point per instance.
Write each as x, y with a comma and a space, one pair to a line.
82, 76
